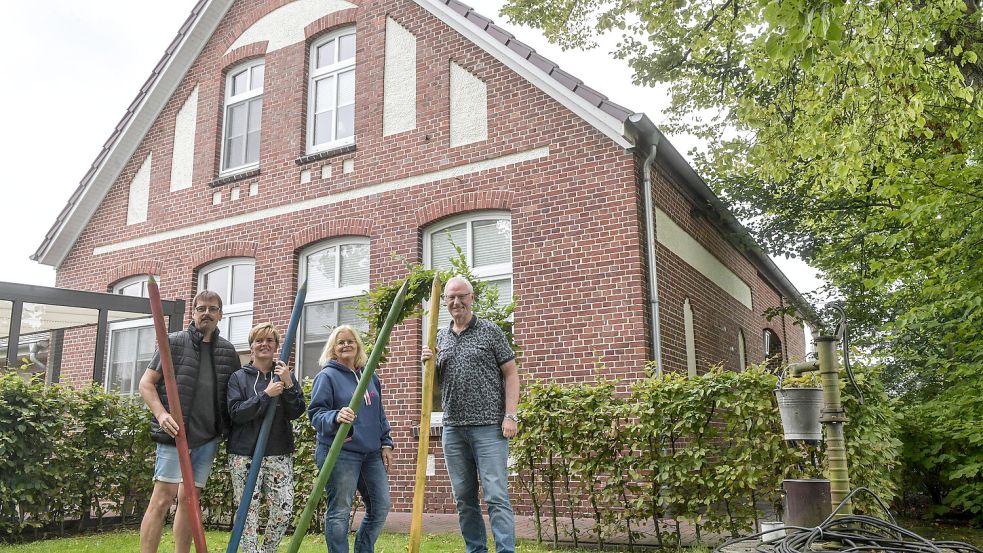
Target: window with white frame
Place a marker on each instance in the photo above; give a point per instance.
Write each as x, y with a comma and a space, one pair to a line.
243, 116
131, 343
232, 279
337, 274
331, 92
485, 239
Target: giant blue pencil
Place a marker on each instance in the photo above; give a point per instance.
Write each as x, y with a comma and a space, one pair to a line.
264, 430
322, 478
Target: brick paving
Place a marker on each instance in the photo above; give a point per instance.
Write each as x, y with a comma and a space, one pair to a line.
525, 528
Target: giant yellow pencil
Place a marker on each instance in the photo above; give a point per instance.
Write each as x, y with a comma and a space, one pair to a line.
416, 523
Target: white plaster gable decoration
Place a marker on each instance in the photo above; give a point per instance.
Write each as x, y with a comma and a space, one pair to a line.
285, 25
138, 202
183, 155
469, 107
399, 77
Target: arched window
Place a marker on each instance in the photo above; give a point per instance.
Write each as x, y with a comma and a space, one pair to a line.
772, 348
485, 240
690, 333
243, 116
331, 92
131, 343
337, 273
232, 279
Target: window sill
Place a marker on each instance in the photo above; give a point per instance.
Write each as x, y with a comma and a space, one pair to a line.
234, 177
318, 156
435, 432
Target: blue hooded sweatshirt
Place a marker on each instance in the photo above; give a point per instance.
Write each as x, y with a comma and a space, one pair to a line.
333, 389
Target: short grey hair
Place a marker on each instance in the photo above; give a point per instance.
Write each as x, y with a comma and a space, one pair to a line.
462, 280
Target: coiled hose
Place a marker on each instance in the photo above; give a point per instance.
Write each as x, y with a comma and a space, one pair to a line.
853, 533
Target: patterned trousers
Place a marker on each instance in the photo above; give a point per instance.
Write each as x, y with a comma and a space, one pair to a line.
276, 482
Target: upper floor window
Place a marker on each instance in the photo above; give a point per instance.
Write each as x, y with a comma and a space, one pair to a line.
131, 343
337, 273
331, 92
232, 280
243, 110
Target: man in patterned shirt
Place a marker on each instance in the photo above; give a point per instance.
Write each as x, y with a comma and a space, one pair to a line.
480, 393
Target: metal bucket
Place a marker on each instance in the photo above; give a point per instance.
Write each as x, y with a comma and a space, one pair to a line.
807, 502
800, 409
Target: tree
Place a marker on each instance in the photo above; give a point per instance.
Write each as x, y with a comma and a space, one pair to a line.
845, 132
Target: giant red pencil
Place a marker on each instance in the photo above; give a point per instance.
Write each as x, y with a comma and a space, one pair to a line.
174, 406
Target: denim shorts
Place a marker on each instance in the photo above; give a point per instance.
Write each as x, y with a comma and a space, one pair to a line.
167, 468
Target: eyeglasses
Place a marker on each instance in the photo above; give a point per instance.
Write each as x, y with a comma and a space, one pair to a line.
455, 297
209, 308
346, 342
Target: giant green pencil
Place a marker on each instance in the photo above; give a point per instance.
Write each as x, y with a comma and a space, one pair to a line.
322, 478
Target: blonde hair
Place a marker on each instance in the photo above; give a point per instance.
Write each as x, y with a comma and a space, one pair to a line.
327, 353
263, 330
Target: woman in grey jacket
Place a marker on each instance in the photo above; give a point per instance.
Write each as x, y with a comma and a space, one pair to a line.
249, 395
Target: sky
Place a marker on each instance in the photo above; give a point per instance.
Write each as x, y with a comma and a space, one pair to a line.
74, 66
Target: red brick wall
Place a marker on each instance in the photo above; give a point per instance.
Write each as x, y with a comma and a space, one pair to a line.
578, 268
717, 316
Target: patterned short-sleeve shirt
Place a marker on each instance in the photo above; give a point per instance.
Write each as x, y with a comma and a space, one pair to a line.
469, 366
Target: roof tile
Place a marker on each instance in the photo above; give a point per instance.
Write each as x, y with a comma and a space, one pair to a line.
499, 33
478, 19
587, 93
520, 48
564, 78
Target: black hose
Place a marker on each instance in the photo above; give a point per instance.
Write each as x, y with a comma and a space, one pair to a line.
854, 533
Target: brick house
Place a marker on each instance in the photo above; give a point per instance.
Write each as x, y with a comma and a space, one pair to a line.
280, 140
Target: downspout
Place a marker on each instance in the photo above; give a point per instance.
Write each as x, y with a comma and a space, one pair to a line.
650, 243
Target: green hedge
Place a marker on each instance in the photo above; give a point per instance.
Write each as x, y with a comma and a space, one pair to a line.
707, 450
69, 455
76, 457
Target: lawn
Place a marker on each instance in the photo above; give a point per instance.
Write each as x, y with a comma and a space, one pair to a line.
129, 540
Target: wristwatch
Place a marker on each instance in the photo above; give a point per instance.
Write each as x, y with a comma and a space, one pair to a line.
514, 417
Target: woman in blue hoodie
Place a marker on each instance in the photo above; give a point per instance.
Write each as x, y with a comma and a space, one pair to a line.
250, 392
363, 463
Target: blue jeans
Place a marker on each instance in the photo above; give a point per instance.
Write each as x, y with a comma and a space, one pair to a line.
471, 452
354, 471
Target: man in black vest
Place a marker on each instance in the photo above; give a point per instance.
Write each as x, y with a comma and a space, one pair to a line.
203, 363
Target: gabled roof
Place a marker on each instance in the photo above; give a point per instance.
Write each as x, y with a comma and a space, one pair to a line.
622, 125
548, 67
130, 131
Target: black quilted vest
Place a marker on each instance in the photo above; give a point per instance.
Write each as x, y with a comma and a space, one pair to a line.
185, 353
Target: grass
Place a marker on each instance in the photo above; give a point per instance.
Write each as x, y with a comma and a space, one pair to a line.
129, 540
